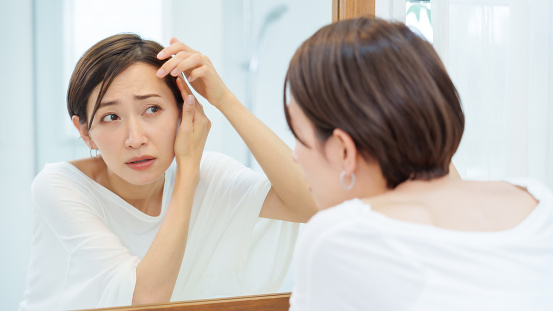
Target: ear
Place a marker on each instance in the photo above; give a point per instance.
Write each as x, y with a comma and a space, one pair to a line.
348, 150
83, 130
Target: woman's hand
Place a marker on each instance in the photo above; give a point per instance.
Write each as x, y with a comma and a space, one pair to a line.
157, 272
198, 69
193, 130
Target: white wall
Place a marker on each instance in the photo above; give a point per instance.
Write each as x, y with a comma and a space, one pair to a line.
16, 147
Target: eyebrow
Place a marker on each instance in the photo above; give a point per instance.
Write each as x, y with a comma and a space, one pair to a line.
137, 97
146, 96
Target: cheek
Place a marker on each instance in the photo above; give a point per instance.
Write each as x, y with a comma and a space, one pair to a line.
104, 139
169, 131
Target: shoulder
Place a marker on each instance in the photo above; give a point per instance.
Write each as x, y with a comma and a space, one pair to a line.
89, 167
217, 167
345, 251
53, 173
214, 160
332, 226
60, 181
344, 212
461, 205
534, 187
224, 170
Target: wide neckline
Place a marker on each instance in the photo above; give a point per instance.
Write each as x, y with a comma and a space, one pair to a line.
128, 207
526, 224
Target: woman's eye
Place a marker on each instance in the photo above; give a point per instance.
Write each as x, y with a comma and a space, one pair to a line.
110, 117
152, 110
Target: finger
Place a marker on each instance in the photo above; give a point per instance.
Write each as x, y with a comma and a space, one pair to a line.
187, 63
175, 47
172, 63
185, 91
200, 119
183, 87
200, 108
188, 111
198, 73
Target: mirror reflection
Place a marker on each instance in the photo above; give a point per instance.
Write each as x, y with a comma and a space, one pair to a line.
249, 44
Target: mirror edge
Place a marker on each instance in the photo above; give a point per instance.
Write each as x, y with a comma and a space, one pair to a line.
273, 302
346, 9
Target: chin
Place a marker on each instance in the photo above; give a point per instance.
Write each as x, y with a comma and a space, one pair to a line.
145, 180
142, 178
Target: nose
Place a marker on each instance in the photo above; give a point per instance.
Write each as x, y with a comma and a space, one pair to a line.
136, 135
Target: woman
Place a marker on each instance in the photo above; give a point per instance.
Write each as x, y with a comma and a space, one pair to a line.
377, 121
126, 226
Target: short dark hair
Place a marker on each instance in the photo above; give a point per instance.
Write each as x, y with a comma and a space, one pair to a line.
103, 62
387, 88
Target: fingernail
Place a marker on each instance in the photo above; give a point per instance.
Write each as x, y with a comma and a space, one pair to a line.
189, 100
161, 55
174, 72
160, 72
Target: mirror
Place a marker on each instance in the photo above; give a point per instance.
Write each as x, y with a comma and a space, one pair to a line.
249, 41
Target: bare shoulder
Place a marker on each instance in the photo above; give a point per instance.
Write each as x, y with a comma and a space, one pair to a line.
515, 192
90, 167
496, 195
458, 205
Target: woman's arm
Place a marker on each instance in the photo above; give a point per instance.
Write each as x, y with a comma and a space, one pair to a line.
289, 198
157, 273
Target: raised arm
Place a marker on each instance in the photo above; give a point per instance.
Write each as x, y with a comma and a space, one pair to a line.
157, 273
289, 198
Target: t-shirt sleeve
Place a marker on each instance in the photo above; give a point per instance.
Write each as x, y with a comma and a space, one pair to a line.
229, 187
101, 272
233, 250
335, 269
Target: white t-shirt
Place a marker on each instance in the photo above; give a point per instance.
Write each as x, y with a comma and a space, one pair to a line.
87, 241
349, 257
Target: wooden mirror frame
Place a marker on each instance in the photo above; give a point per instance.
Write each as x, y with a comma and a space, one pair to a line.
346, 9
341, 9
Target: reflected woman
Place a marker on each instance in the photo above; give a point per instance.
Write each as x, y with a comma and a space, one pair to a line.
151, 217
377, 120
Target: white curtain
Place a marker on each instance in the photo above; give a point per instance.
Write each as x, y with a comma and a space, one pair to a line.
499, 54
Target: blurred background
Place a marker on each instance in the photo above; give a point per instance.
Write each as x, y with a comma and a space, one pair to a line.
498, 53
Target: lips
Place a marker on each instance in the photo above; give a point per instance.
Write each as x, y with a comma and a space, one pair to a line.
140, 163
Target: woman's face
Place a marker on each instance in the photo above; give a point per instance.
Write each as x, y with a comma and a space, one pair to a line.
135, 126
321, 166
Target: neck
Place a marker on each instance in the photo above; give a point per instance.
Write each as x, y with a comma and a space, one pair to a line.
145, 198
417, 185
369, 183
371, 180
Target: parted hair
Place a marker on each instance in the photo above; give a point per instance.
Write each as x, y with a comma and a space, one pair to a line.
100, 64
387, 88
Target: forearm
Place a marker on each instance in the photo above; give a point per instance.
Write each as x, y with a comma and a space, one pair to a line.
294, 200
274, 157
157, 273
